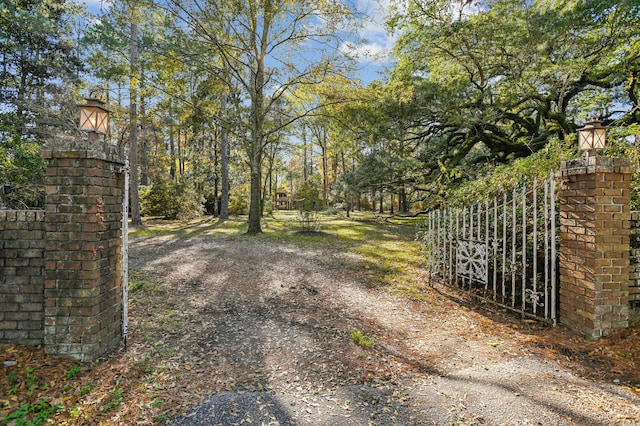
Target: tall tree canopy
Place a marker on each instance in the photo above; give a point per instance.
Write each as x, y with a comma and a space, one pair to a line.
39, 80
495, 80
267, 50
40, 63
213, 93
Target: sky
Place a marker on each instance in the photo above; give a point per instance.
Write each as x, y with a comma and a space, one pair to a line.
376, 49
373, 54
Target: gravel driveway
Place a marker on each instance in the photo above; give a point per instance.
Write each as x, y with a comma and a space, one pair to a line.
261, 331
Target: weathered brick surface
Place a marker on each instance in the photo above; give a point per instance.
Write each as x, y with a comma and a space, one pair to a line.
82, 279
21, 276
594, 245
60, 269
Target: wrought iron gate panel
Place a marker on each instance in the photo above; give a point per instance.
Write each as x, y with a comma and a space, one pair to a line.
502, 250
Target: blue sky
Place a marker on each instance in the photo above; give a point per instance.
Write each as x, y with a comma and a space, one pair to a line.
374, 53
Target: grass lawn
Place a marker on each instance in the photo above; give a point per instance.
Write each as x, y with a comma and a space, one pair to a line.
387, 250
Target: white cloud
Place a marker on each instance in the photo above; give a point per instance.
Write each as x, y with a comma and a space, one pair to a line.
96, 5
377, 44
367, 52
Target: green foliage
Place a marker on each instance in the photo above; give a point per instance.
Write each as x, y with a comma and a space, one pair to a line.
41, 66
73, 413
308, 198
171, 200
308, 221
160, 418
34, 414
31, 412
85, 389
158, 403
334, 209
308, 203
483, 91
72, 373
116, 399
21, 166
12, 377
495, 180
141, 281
360, 339
624, 142
238, 204
31, 379
268, 206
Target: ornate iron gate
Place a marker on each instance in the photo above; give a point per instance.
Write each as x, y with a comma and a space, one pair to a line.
502, 250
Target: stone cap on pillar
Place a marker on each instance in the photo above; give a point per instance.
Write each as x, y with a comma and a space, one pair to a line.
83, 147
595, 164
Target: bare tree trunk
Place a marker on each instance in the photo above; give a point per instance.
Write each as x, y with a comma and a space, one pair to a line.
224, 162
136, 219
403, 206
256, 198
304, 159
216, 179
172, 147
346, 195
325, 172
181, 152
144, 159
267, 190
255, 152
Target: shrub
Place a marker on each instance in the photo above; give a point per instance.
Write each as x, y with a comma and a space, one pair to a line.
238, 204
21, 166
623, 142
335, 209
308, 198
172, 200
267, 207
308, 221
308, 203
496, 179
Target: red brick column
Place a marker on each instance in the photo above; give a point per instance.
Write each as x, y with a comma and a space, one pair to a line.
82, 285
21, 280
594, 245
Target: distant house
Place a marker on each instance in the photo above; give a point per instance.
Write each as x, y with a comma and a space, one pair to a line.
283, 200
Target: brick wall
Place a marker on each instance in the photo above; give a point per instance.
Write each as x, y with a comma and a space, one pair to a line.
60, 269
594, 245
634, 286
21, 276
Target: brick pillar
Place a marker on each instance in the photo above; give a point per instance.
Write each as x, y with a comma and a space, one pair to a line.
83, 303
594, 245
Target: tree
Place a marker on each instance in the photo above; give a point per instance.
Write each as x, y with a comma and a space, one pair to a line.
255, 41
487, 90
39, 78
39, 84
134, 81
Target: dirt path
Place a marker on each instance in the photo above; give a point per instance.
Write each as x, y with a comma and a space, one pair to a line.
258, 332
